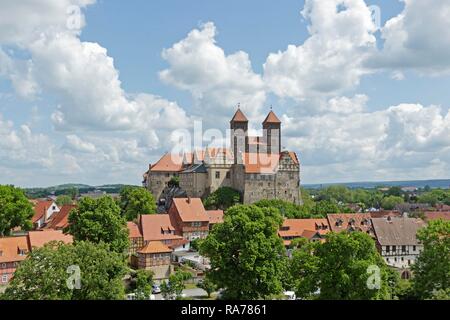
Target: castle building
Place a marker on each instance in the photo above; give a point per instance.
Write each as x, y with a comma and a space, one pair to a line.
256, 166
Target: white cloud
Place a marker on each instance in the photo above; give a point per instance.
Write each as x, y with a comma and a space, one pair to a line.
216, 81
331, 60
417, 39
75, 143
401, 142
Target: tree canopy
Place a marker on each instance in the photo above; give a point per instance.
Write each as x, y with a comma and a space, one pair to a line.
432, 268
246, 254
99, 220
15, 210
223, 198
52, 273
135, 201
63, 200
340, 269
389, 203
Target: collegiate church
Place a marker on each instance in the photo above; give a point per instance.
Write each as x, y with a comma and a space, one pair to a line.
256, 166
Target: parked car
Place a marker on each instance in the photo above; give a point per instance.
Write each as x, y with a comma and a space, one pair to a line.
156, 289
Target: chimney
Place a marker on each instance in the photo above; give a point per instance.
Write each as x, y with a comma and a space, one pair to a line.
149, 166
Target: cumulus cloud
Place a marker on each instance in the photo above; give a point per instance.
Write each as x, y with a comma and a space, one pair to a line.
216, 81
401, 142
331, 60
417, 39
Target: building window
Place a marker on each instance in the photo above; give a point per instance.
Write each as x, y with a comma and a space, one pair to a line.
388, 249
4, 278
394, 248
228, 175
217, 174
3, 265
414, 248
403, 248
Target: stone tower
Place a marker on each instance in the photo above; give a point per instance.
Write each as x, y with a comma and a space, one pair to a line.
272, 133
239, 135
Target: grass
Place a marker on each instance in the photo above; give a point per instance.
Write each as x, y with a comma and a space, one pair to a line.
190, 286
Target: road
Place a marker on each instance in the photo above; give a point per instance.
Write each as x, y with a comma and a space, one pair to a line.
190, 293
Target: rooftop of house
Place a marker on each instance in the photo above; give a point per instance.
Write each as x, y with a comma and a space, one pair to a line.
177, 243
157, 227
271, 118
37, 239
215, 216
133, 230
12, 249
41, 208
155, 247
397, 231
303, 228
60, 220
350, 222
190, 209
444, 215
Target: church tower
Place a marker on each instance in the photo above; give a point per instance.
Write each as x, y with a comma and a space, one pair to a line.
272, 133
239, 135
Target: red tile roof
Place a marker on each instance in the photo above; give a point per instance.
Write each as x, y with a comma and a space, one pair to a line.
293, 156
350, 221
298, 227
39, 238
155, 247
437, 215
215, 216
157, 226
177, 243
133, 230
260, 162
168, 163
271, 118
239, 117
40, 209
60, 220
190, 209
11, 248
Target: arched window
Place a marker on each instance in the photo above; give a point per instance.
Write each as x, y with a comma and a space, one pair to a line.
406, 275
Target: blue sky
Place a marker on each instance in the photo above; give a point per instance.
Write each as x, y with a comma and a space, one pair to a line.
99, 103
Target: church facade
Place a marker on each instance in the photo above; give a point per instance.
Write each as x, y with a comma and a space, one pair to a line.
256, 166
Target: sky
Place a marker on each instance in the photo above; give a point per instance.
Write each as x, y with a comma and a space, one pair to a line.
94, 91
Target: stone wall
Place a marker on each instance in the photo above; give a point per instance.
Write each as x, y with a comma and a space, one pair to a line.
158, 181
195, 184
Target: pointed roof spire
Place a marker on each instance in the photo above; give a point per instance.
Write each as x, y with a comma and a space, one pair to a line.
272, 118
239, 115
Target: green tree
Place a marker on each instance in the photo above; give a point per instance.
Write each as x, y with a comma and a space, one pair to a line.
430, 198
72, 192
303, 268
324, 207
174, 288
15, 210
51, 273
389, 203
99, 220
287, 209
144, 281
208, 286
432, 267
395, 191
174, 181
63, 200
135, 201
344, 268
336, 193
246, 253
223, 198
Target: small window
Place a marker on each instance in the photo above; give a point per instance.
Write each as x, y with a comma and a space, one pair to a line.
228, 175
403, 248
388, 248
394, 248
217, 174
4, 278
3, 265
414, 248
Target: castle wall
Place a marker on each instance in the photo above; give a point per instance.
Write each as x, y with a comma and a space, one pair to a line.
195, 184
219, 176
157, 181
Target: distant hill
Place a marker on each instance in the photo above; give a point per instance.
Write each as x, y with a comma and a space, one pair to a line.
65, 188
443, 184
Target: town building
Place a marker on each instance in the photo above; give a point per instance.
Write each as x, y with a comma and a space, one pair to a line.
13, 250
60, 220
255, 166
43, 211
311, 229
397, 242
190, 218
155, 256
350, 222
